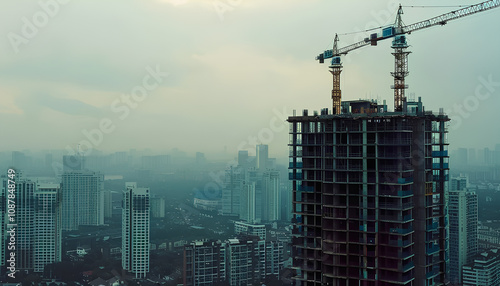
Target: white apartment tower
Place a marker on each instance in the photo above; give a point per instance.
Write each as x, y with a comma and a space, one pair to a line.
83, 201
47, 222
248, 203
135, 230
462, 211
271, 196
38, 223
484, 270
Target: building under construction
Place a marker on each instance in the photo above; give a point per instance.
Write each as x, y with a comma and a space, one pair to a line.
369, 185
369, 197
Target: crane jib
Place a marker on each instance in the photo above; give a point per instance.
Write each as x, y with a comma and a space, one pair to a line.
391, 31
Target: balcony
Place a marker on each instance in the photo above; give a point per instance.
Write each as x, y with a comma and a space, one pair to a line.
431, 227
297, 176
395, 205
399, 242
308, 189
396, 218
431, 274
432, 250
408, 266
394, 193
438, 166
394, 141
298, 165
439, 153
437, 178
401, 230
405, 180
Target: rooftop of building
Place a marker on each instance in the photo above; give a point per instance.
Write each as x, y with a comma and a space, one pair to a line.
361, 108
484, 257
248, 224
48, 186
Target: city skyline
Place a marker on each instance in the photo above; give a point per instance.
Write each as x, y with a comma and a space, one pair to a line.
204, 141
209, 61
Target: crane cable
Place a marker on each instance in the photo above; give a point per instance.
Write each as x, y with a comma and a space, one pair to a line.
368, 30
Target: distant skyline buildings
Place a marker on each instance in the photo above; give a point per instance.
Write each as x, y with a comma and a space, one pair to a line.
74, 162
464, 157
253, 189
157, 207
55, 162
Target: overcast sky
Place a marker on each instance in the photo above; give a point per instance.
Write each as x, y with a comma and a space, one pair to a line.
211, 73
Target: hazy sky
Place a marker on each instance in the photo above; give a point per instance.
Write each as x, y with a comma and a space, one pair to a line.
211, 73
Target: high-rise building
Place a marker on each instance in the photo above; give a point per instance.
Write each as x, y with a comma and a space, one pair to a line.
200, 158
48, 225
461, 158
248, 203
253, 191
497, 155
472, 157
158, 207
25, 215
484, 270
3, 224
286, 201
73, 163
83, 201
258, 230
20, 160
487, 238
254, 178
458, 183
274, 259
37, 222
462, 210
262, 158
243, 261
271, 196
231, 191
488, 156
369, 196
243, 159
107, 203
157, 163
204, 263
135, 230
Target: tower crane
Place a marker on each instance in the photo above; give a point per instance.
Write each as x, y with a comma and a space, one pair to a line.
398, 32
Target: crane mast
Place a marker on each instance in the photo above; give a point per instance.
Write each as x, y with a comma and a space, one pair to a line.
336, 69
398, 32
400, 53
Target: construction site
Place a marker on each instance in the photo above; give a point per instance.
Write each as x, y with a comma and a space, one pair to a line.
370, 183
